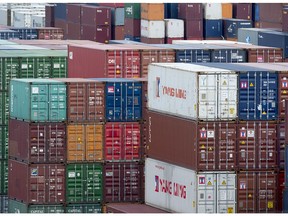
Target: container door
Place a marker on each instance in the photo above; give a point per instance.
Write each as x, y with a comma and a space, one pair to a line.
226, 193
75, 143
57, 96
39, 102
55, 183
59, 67
27, 67
131, 142
4, 107
43, 67
281, 145
9, 69
132, 103
94, 142
3, 142
283, 93
93, 183
131, 64
75, 179
113, 182
113, 141
3, 176
37, 143
114, 64
96, 102
114, 101
56, 139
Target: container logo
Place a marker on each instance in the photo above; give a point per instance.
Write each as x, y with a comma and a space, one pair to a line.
156, 183
111, 89
34, 172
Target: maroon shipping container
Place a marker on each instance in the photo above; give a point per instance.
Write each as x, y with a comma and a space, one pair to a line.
257, 192
73, 13
285, 19
270, 12
131, 208
73, 31
270, 25
194, 29
59, 23
281, 186
242, 11
122, 141
115, 5
100, 34
118, 33
152, 40
49, 16
123, 182
261, 55
257, 145
50, 33
281, 145
170, 40
132, 27
85, 100
190, 11
36, 183
282, 92
37, 142
99, 61
95, 15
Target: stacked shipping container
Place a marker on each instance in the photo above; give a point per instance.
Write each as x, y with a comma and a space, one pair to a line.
132, 21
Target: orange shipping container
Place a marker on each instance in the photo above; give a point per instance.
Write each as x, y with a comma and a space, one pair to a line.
227, 10
84, 142
152, 11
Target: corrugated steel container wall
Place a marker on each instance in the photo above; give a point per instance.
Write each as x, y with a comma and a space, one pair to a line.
4, 177
190, 55
122, 141
242, 11
258, 95
84, 183
229, 55
132, 27
3, 142
216, 192
117, 16
4, 107
60, 11
115, 5
3, 204
110, 60
153, 29
159, 137
283, 93
280, 187
250, 35
174, 28
169, 187
212, 11
281, 145
93, 15
50, 34
100, 34
26, 33
152, 11
118, 32
131, 208
40, 183
49, 16
9, 69
285, 19
271, 12
152, 40
190, 11
171, 10
83, 208
268, 25
59, 65
265, 55
193, 29
255, 12
286, 165
85, 142
123, 182
257, 145
73, 13
9, 34
59, 23
132, 11
37, 142
213, 29
19, 207
231, 26
257, 192
227, 10
38, 100
73, 31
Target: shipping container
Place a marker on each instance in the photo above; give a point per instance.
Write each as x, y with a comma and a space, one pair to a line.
228, 54
132, 27
281, 188
49, 16
227, 10
123, 182
3, 204
171, 10
59, 23
4, 107
242, 11
212, 96
4, 177
84, 183
73, 13
37, 142
132, 11
94, 15
152, 40
50, 33
110, 61
269, 25
3, 142
213, 29
231, 26
40, 183
271, 12
256, 192
118, 32
19, 207
216, 192
84, 208
169, 187
152, 11
283, 92
193, 29
153, 29
73, 31
250, 35
129, 208
190, 11
174, 28
281, 145
7, 34
285, 19
117, 16
100, 34
26, 33
38, 100
115, 5
285, 200
60, 11
170, 40
212, 11
38, 20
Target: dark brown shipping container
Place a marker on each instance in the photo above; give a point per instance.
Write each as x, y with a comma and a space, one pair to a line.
99, 61
50, 33
152, 40
36, 183
49, 16
270, 25
190, 11
242, 11
257, 192
123, 182
59, 23
73, 31
194, 29
85, 100
131, 208
281, 145
118, 33
100, 34
281, 186
95, 15
37, 142
73, 13
132, 27
282, 93
265, 55
257, 145
285, 19
270, 12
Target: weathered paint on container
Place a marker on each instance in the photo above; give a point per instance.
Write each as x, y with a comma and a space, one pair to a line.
152, 28
231, 26
40, 183
212, 10
84, 183
212, 29
216, 192
83, 208
4, 107
129, 208
132, 11
19, 207
4, 204
174, 28
38, 100
132, 27
151, 11
123, 182
242, 11
4, 176
37, 142
187, 11
169, 187
95, 15
3, 142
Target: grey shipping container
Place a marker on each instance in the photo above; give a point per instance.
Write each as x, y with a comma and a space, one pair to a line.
117, 16
250, 35
231, 26
3, 204
19, 207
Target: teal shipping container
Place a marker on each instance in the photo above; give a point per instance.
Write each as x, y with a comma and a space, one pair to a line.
19, 207
84, 208
38, 100
3, 177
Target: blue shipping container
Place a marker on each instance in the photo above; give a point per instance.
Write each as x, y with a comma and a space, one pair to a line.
231, 26
255, 12
123, 99
3, 204
130, 37
27, 33
285, 200
7, 34
258, 95
193, 55
213, 29
229, 55
171, 10
60, 11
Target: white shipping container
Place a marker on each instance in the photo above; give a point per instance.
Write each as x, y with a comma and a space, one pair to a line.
216, 192
152, 28
23, 18
38, 20
174, 28
192, 91
212, 11
216, 42
3, 17
169, 187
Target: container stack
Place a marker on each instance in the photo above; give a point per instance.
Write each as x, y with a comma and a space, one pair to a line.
73, 19
132, 21
213, 21
152, 23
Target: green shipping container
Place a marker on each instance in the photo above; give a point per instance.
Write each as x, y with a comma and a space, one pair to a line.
18, 207
132, 10
4, 107
84, 183
3, 177
38, 100
84, 208
3, 142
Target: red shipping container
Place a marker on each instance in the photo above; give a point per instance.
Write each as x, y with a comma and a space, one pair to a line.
242, 11
257, 192
283, 93
118, 32
36, 183
50, 33
281, 186
59, 23
190, 11
257, 145
285, 19
73, 13
132, 27
122, 141
270, 12
99, 61
73, 31
170, 40
152, 40
194, 29
281, 145
100, 34
37, 142
49, 16
123, 182
95, 15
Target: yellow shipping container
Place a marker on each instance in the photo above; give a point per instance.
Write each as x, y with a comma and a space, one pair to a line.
152, 11
227, 10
